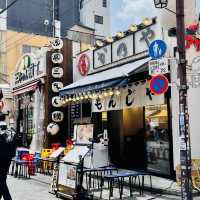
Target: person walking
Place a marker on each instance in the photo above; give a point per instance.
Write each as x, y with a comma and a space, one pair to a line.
7, 152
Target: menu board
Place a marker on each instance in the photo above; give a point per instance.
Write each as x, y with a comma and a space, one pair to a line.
84, 134
75, 113
67, 175
74, 155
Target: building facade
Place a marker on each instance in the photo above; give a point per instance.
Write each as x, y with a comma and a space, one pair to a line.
37, 16
96, 15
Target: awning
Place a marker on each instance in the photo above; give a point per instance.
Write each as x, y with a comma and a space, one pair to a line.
27, 88
114, 77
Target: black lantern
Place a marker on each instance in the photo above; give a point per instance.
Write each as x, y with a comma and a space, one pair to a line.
161, 3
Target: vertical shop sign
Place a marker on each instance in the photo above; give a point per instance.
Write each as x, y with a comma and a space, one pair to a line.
57, 74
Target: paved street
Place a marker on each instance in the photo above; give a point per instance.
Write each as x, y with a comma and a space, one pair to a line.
37, 189
31, 189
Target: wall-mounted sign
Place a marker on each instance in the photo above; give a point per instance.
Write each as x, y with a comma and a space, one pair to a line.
192, 41
29, 68
159, 84
137, 95
127, 49
57, 116
157, 49
157, 67
102, 56
122, 48
196, 65
83, 64
57, 72
53, 128
57, 58
56, 86
144, 37
56, 101
57, 44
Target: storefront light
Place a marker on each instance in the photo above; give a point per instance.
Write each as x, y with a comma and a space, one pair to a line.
99, 43
105, 94
86, 96
147, 21
91, 48
77, 98
81, 97
94, 96
100, 96
90, 95
120, 34
111, 92
117, 92
133, 28
109, 39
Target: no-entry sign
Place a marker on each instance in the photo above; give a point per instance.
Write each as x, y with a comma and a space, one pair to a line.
159, 84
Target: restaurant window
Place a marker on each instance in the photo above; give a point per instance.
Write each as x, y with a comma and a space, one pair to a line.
157, 139
105, 3
98, 19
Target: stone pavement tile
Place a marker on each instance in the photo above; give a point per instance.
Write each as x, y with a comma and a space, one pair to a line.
29, 189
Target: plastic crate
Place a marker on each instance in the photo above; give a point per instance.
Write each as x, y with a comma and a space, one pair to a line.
46, 153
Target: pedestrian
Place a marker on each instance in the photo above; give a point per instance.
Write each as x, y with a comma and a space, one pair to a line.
7, 152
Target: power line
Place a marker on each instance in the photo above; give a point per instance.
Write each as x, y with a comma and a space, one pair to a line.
10, 5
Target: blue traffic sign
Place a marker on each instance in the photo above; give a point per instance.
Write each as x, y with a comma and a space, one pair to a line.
157, 49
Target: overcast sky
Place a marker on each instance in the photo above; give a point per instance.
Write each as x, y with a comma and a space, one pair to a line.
126, 12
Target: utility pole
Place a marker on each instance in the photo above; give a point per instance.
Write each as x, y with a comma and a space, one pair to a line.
185, 149
56, 15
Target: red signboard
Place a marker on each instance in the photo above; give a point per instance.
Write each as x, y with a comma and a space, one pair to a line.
84, 64
159, 84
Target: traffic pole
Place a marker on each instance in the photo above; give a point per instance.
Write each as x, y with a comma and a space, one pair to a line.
185, 146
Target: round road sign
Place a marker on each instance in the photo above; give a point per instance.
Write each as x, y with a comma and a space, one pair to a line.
159, 84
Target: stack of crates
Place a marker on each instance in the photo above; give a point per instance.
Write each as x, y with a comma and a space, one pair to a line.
46, 153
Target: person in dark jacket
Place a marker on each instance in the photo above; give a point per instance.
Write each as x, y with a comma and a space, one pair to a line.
7, 152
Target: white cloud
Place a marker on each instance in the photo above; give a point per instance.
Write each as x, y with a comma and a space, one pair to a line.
136, 10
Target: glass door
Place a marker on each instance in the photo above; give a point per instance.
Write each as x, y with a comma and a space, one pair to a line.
157, 139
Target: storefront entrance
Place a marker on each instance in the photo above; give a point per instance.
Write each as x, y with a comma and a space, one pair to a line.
139, 139
25, 129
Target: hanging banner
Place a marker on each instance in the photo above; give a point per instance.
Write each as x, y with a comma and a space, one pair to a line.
98, 105
135, 95
112, 102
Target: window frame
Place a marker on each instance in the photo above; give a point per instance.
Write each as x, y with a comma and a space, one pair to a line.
98, 19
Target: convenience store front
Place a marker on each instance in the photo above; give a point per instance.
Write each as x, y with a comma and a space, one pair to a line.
28, 91
136, 122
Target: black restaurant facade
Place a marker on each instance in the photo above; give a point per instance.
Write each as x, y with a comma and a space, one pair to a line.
110, 90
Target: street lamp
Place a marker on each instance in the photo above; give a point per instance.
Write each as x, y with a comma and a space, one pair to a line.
161, 3
185, 149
